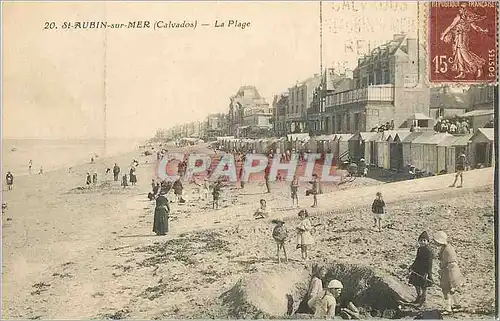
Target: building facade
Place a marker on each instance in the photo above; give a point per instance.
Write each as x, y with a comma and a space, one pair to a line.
300, 97
389, 88
214, 126
446, 103
481, 97
318, 122
248, 112
278, 121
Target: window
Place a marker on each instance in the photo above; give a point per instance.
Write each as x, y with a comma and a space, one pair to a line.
356, 121
387, 77
348, 122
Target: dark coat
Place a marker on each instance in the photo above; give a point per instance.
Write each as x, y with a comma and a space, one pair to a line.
378, 206
133, 177
177, 187
162, 209
422, 266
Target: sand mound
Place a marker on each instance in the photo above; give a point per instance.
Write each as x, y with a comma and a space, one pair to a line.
281, 292
268, 294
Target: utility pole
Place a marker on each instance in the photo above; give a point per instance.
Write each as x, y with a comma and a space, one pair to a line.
322, 85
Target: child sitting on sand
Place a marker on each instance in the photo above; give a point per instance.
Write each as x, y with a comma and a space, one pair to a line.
280, 235
262, 211
378, 211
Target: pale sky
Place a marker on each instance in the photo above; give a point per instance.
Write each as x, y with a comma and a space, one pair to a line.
53, 80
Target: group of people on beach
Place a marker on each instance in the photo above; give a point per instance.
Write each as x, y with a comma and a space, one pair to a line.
322, 302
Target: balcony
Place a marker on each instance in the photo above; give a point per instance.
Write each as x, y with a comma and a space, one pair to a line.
370, 93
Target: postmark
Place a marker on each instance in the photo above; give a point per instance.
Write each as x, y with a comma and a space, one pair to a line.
462, 42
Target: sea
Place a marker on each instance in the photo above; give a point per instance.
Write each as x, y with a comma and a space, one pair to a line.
53, 154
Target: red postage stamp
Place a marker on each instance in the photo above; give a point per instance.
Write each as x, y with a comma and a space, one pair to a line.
463, 41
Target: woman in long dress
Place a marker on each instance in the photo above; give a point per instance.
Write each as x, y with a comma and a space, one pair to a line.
464, 60
450, 276
133, 176
162, 209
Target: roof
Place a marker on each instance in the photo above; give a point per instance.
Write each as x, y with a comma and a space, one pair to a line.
433, 139
419, 116
369, 136
344, 136
414, 135
402, 135
483, 112
325, 137
462, 140
301, 136
392, 133
489, 133
448, 141
225, 137
443, 98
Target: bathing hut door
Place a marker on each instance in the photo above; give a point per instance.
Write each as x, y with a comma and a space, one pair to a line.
396, 154
450, 159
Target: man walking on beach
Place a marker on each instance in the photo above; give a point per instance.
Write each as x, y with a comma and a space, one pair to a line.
116, 172
314, 190
30, 164
10, 180
267, 172
461, 162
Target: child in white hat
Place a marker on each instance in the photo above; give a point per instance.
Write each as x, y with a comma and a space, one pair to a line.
325, 306
450, 276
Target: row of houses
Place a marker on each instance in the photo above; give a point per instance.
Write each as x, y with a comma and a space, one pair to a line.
431, 152
387, 87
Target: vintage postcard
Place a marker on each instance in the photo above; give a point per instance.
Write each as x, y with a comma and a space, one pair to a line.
244, 159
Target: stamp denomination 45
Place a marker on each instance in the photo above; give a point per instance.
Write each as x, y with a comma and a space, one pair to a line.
463, 42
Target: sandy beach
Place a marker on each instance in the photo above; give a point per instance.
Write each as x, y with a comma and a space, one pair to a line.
70, 253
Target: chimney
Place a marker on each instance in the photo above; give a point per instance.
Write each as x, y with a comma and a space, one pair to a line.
349, 73
398, 36
412, 46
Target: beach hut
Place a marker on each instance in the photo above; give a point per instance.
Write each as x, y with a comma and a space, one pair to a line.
481, 148
361, 145
407, 145
424, 151
298, 141
396, 150
324, 143
382, 147
343, 146
448, 151
312, 144
334, 148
